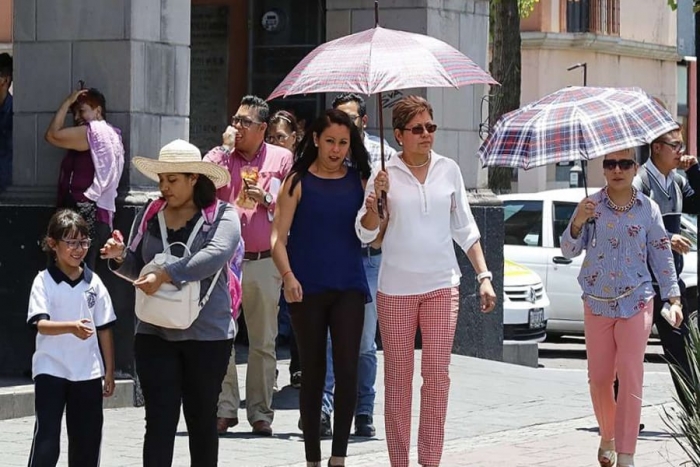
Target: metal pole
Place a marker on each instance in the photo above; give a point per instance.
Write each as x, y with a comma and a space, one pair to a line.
381, 202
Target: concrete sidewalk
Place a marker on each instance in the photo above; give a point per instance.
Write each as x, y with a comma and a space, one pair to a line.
499, 414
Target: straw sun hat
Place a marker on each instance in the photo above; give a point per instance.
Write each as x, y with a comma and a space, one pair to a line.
179, 156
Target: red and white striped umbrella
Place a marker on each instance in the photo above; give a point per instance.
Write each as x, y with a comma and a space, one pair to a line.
378, 60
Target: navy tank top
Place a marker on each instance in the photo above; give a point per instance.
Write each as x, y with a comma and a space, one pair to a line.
324, 251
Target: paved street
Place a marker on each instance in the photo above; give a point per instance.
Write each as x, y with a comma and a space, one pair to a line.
499, 415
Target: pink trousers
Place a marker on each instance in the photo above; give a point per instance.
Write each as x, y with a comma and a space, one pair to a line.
399, 316
617, 346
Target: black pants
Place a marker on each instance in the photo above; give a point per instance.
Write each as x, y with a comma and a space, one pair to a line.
171, 373
344, 314
294, 364
673, 340
82, 401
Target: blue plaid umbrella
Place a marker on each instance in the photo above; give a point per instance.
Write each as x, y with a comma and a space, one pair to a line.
575, 123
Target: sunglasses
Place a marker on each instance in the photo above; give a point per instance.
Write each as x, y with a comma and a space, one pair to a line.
244, 122
74, 244
678, 146
419, 129
623, 164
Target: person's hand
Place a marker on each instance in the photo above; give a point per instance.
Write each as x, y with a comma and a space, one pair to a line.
676, 313
381, 183
114, 248
229, 137
680, 244
585, 211
82, 329
70, 100
687, 161
371, 203
487, 296
151, 282
292, 289
256, 193
108, 385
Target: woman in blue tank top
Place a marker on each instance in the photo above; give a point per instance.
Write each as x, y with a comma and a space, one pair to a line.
318, 254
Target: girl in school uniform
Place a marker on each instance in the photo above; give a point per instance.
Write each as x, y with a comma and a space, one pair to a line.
72, 311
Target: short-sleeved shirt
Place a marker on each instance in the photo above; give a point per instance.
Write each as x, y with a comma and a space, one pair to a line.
56, 297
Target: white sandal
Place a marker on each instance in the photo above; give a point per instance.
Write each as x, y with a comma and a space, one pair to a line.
607, 458
625, 460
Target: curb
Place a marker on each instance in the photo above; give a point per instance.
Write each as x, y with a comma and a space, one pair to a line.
18, 401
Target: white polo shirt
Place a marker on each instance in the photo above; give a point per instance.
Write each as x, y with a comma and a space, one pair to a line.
55, 297
418, 255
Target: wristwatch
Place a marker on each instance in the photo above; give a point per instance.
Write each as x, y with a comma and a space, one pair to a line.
484, 275
267, 199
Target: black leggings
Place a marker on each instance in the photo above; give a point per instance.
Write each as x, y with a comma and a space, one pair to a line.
344, 313
174, 373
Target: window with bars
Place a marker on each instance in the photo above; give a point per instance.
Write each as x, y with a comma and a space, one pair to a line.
597, 16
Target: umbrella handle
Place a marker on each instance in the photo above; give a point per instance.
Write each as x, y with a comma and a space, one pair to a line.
381, 202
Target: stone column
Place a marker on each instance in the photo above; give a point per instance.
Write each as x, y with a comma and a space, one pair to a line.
136, 52
458, 112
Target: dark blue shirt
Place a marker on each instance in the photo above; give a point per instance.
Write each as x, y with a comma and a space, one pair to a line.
6, 142
324, 251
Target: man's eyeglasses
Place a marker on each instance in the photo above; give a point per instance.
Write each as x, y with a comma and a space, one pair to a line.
244, 122
74, 244
623, 164
281, 138
677, 146
419, 129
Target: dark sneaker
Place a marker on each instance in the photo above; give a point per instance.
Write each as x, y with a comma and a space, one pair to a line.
326, 430
295, 380
364, 426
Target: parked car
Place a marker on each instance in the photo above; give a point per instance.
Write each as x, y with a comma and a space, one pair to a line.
525, 304
534, 224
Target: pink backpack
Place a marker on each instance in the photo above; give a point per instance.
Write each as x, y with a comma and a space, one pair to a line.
234, 266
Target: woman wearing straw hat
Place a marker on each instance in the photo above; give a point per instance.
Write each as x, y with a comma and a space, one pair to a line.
182, 365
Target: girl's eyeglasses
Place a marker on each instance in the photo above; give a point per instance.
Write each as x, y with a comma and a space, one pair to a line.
74, 244
623, 164
272, 139
419, 129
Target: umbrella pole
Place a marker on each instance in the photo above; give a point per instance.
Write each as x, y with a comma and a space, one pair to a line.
381, 202
585, 179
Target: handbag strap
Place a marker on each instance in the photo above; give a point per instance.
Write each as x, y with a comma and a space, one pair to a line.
164, 231
195, 231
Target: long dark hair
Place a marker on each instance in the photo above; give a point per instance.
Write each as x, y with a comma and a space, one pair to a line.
307, 152
65, 223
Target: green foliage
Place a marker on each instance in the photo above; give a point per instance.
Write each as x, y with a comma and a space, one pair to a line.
674, 5
684, 422
527, 6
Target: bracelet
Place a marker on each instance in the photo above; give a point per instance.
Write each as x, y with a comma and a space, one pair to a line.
288, 272
484, 275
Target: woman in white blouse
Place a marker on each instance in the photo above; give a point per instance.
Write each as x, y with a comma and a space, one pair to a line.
419, 276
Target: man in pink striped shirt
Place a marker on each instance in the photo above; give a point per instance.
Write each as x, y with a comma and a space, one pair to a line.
257, 170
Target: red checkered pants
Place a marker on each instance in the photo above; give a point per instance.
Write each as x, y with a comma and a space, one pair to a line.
399, 316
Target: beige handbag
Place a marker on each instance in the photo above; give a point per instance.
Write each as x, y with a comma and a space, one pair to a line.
170, 307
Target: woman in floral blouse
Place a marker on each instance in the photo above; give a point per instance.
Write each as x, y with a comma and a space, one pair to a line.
623, 235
